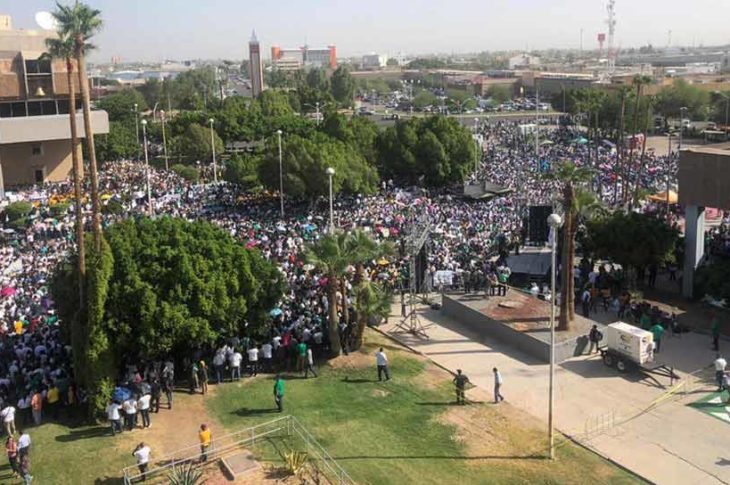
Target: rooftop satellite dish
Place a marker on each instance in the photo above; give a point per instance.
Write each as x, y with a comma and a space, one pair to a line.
46, 20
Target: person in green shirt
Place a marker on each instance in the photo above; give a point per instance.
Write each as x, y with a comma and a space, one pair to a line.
279, 392
657, 330
301, 355
645, 321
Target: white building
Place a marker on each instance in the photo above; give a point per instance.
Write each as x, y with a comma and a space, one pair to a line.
374, 61
522, 61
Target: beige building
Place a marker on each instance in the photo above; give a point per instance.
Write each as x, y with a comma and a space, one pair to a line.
35, 137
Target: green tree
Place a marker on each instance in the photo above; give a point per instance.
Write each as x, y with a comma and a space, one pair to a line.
681, 94
275, 104
577, 206
632, 240
343, 86
194, 144
152, 92
120, 105
424, 98
500, 93
119, 143
80, 22
242, 170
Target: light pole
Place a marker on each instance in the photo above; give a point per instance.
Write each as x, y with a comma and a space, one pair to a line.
316, 105
476, 140
281, 177
147, 169
554, 221
136, 127
212, 149
330, 173
537, 120
669, 161
164, 140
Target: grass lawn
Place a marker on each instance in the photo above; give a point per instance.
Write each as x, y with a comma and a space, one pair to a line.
64, 455
406, 430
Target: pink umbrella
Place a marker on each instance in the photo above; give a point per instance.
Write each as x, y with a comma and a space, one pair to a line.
7, 291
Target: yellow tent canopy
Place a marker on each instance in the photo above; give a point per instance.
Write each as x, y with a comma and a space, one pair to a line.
662, 197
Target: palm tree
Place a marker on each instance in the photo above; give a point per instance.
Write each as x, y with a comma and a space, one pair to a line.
650, 102
623, 92
574, 204
362, 248
63, 48
372, 302
329, 254
639, 82
80, 22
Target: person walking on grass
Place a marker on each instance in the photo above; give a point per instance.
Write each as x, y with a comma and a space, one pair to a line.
460, 381
25, 469
301, 356
112, 413
309, 362
23, 443
142, 454
279, 392
253, 361
8, 415
382, 362
11, 448
203, 376
497, 386
205, 438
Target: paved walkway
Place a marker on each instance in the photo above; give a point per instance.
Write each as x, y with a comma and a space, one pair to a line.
672, 443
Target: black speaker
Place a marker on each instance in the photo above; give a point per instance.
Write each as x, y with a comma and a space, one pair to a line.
539, 230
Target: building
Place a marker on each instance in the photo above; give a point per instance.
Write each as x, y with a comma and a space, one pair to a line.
255, 66
524, 61
35, 136
374, 61
292, 59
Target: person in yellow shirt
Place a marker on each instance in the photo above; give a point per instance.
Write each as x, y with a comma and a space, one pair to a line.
205, 437
53, 397
18, 327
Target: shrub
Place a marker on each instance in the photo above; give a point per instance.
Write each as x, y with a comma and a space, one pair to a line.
188, 173
113, 207
17, 210
60, 209
19, 224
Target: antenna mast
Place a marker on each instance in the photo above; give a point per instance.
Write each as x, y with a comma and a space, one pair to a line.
611, 21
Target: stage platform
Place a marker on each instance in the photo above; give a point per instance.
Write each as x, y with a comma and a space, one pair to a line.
532, 264
518, 320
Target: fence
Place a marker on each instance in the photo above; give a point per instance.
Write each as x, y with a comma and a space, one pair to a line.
284, 427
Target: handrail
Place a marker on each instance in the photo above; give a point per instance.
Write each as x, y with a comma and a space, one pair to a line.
289, 424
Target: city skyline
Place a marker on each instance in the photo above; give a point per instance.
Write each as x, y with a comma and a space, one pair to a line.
132, 33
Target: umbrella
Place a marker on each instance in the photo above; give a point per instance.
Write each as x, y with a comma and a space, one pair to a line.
662, 197
7, 291
580, 141
547, 142
106, 196
383, 262
308, 267
275, 312
121, 394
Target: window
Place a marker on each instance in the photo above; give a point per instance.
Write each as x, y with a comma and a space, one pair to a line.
39, 175
37, 149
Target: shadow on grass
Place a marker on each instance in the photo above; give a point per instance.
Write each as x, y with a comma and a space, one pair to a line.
254, 412
109, 481
83, 434
446, 403
347, 380
442, 457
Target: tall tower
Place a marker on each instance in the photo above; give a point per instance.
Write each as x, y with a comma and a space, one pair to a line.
255, 67
611, 21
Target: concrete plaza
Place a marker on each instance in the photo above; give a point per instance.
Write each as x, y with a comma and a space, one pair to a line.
635, 419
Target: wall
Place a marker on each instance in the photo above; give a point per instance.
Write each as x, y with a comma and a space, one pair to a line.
704, 177
19, 163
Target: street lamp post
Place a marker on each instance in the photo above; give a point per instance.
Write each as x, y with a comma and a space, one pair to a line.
537, 120
281, 177
212, 149
669, 161
147, 169
136, 127
330, 173
316, 105
554, 221
164, 140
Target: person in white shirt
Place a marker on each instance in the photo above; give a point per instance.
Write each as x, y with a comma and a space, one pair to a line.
143, 403
497, 385
720, 364
382, 361
219, 362
8, 415
112, 413
130, 412
142, 453
235, 363
23, 443
253, 361
309, 367
266, 355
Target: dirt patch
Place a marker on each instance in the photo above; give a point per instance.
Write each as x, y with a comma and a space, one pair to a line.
380, 393
433, 377
355, 360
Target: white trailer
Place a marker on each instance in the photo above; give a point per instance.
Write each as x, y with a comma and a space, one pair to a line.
630, 347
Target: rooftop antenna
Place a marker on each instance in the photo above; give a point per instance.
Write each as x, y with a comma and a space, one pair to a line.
46, 20
611, 21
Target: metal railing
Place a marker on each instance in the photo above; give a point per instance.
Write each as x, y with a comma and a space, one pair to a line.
286, 426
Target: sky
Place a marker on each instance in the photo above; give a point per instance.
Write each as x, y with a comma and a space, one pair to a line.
152, 30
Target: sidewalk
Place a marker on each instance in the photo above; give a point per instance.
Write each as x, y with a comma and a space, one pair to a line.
673, 443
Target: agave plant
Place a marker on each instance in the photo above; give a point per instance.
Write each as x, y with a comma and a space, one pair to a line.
296, 461
185, 475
